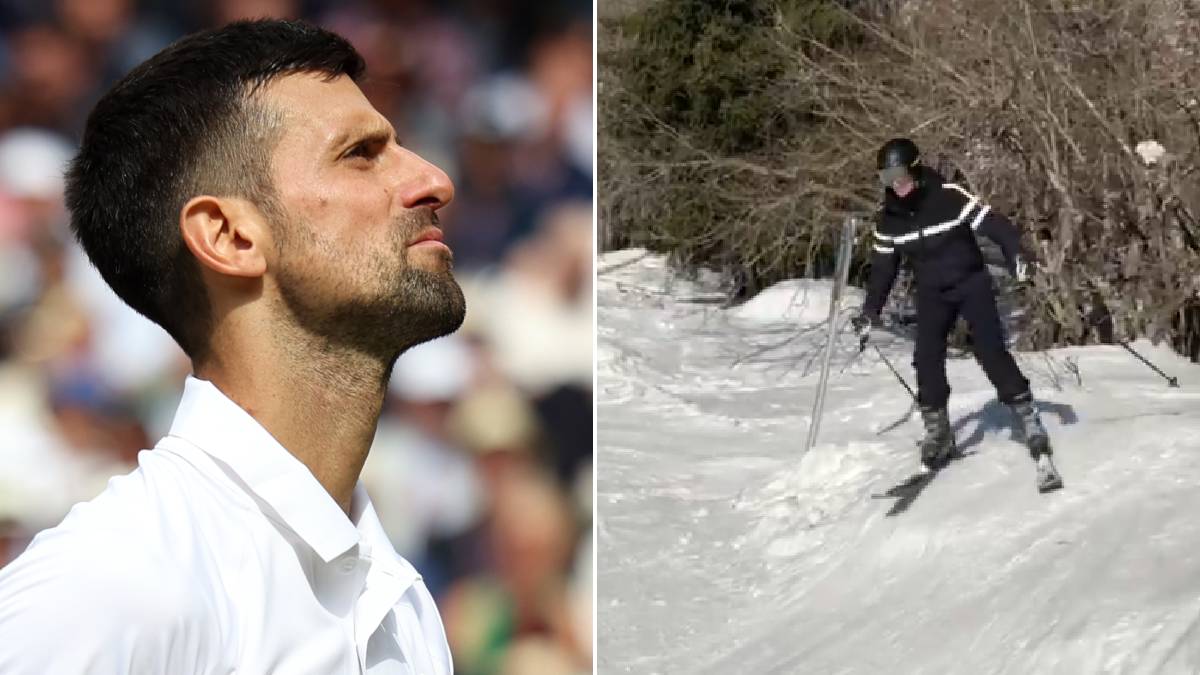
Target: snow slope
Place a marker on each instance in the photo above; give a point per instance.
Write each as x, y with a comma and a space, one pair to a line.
721, 552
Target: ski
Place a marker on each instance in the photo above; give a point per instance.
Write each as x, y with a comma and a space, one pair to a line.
906, 491
907, 487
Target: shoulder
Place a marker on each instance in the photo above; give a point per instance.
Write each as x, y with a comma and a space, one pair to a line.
99, 571
425, 614
955, 202
957, 194
941, 189
119, 607
115, 583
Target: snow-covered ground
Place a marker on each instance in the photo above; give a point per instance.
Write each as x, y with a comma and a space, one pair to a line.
720, 551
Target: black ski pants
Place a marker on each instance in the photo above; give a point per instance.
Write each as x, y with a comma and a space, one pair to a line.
937, 309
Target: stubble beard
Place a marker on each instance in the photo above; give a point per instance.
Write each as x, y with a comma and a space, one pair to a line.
396, 307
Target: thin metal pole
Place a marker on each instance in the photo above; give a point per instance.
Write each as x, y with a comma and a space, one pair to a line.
1171, 381
842, 271
895, 372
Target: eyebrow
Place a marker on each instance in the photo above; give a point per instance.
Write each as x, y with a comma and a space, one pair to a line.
374, 134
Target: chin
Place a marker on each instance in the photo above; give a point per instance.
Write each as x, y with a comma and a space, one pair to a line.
428, 305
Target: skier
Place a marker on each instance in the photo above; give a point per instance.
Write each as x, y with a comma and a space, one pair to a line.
933, 222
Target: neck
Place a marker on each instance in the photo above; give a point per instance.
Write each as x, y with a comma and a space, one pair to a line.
321, 402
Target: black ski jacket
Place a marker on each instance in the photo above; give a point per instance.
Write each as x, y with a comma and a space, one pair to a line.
935, 227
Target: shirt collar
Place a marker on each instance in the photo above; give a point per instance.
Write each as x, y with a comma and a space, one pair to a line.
211, 421
375, 537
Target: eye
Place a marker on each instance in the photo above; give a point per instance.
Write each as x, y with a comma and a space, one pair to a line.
367, 149
364, 149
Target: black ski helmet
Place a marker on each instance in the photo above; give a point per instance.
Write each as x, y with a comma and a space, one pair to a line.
897, 152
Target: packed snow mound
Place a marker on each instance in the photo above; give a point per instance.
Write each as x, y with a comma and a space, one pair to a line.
723, 548
796, 301
647, 272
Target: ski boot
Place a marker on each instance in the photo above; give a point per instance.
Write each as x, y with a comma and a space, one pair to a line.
1037, 440
937, 448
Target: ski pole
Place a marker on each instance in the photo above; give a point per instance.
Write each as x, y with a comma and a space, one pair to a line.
1171, 381
862, 346
894, 372
1101, 316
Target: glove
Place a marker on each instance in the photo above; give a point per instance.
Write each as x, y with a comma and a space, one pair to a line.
1022, 270
862, 324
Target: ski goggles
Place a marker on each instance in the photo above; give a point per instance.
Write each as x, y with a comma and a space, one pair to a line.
892, 174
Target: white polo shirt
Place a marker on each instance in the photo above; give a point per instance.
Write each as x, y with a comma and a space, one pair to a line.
222, 554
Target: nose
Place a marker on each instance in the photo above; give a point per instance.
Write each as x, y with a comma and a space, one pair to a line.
423, 184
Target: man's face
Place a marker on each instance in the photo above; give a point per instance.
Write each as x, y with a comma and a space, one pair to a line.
359, 258
903, 185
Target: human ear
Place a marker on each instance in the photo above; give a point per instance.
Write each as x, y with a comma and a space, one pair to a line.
224, 235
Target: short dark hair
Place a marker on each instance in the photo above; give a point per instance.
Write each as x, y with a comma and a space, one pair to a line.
182, 124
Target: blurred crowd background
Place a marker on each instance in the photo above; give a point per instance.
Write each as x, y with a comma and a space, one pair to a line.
481, 470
